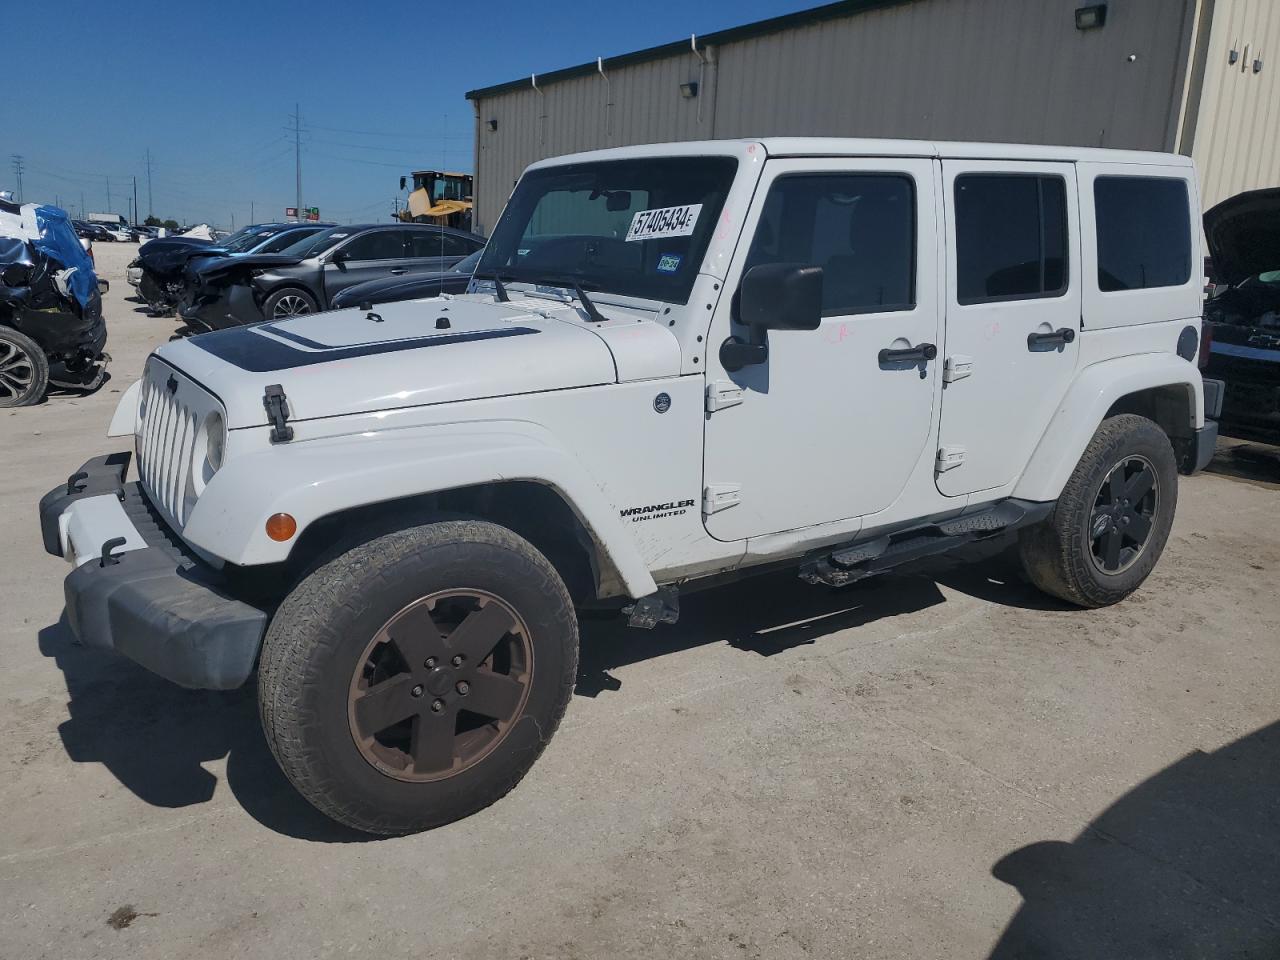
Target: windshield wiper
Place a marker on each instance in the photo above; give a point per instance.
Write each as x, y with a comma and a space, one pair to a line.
587, 304
497, 284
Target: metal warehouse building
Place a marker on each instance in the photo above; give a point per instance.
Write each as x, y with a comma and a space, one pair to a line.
1190, 76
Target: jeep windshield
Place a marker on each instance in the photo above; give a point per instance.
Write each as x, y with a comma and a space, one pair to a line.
633, 227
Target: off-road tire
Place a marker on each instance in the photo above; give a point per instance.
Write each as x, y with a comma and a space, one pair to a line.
269, 305
30, 377
1057, 553
318, 637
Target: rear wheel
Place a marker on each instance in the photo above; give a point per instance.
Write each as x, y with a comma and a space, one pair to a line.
1111, 522
291, 302
414, 679
24, 369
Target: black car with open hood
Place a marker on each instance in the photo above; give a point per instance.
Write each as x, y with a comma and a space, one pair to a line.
1242, 317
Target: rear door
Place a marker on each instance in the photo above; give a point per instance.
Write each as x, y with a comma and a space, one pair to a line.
432, 251
1012, 315
367, 256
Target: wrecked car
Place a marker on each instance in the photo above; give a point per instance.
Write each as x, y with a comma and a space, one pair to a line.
162, 264
51, 325
305, 277
1242, 318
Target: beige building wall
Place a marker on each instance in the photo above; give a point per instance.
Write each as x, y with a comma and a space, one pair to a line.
1233, 130
1001, 70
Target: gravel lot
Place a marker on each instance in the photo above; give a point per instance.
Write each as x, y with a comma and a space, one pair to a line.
939, 765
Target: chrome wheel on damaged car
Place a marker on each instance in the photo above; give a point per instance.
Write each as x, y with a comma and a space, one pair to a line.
429, 697
24, 369
286, 305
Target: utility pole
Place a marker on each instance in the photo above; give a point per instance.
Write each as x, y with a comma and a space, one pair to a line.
108, 210
150, 212
251, 220
81, 204
135, 201
297, 155
17, 168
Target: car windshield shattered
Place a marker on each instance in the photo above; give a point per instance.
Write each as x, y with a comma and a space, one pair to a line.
632, 227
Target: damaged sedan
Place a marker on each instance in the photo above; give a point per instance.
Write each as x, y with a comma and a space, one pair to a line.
305, 277
1242, 317
161, 265
51, 326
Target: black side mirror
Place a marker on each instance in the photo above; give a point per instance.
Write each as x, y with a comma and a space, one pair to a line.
781, 296
772, 296
402, 183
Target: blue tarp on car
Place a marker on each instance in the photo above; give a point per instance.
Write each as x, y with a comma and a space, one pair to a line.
58, 241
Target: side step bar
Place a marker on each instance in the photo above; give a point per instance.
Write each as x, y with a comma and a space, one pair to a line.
862, 558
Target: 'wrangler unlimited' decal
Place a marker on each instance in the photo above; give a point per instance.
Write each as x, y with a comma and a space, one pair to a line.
656, 511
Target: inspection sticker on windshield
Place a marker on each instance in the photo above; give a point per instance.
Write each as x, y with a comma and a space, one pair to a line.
664, 222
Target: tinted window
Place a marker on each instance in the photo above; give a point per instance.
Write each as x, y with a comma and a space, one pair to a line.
376, 245
634, 227
429, 243
1144, 232
860, 228
1011, 237
285, 239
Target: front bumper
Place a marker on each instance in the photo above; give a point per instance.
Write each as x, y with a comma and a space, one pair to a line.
140, 591
230, 306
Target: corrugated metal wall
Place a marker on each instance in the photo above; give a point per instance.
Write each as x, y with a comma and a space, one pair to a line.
1001, 70
1236, 138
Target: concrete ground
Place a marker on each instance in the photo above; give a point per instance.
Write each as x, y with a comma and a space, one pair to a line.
939, 765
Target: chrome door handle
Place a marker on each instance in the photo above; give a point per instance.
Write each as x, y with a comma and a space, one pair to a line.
399, 270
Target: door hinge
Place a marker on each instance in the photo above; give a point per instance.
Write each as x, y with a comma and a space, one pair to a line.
720, 496
722, 394
956, 368
949, 457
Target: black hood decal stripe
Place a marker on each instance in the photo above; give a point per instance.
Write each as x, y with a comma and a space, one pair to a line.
250, 350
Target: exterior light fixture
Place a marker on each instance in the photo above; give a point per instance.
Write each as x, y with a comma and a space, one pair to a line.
1094, 15
492, 123
689, 90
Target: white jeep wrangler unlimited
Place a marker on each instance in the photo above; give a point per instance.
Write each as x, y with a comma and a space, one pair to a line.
678, 363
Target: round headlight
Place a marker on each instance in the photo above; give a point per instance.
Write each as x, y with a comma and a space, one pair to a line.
215, 430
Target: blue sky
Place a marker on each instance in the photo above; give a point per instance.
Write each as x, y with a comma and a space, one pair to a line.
209, 88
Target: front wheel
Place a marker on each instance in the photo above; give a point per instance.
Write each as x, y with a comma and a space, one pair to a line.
24, 369
415, 678
1111, 522
284, 304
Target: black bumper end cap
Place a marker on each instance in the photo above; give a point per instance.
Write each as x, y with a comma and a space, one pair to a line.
165, 618
95, 477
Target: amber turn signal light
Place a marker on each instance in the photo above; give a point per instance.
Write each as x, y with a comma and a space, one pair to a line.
281, 527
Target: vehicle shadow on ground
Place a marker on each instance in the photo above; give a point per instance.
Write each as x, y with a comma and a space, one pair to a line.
1187, 864
770, 613
155, 737
1258, 462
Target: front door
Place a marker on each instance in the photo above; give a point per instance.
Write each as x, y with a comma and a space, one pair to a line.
1013, 315
366, 256
828, 427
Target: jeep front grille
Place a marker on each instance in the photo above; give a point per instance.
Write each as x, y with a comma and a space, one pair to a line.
172, 410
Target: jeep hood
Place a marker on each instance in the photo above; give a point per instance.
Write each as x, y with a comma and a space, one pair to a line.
344, 362
1243, 233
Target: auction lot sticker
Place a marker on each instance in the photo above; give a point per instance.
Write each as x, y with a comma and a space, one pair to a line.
664, 222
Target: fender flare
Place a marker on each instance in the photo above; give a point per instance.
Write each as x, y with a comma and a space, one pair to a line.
124, 422
312, 479
1090, 396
